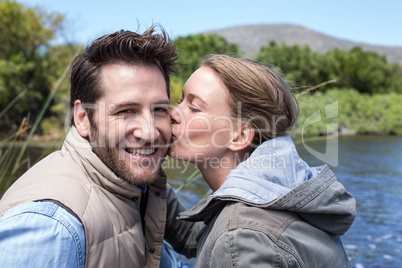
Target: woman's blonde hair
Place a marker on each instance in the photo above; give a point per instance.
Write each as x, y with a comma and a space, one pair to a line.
258, 96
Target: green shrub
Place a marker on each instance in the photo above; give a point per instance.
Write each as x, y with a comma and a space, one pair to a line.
357, 113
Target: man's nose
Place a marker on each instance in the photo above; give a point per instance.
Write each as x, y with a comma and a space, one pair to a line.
146, 130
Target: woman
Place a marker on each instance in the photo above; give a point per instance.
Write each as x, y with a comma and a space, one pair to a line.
269, 208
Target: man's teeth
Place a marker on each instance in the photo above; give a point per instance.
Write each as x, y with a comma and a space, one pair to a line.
141, 151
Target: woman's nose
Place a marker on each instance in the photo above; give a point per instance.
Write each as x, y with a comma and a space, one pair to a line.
175, 116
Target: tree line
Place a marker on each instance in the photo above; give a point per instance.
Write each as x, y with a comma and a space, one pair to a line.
30, 66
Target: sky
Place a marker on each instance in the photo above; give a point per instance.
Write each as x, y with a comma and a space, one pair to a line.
368, 21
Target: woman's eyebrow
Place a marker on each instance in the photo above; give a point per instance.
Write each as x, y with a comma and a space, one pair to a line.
192, 96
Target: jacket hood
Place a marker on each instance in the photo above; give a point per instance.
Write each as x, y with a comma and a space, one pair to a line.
275, 177
272, 170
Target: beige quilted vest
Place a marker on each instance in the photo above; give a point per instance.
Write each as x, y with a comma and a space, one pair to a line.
107, 206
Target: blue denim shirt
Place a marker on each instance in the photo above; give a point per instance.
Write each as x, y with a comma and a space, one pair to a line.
35, 234
41, 234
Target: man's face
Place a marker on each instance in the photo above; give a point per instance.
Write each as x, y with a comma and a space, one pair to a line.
130, 128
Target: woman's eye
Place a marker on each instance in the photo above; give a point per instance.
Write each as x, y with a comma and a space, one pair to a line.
194, 109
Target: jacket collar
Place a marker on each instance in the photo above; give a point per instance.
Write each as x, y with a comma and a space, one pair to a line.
271, 171
322, 201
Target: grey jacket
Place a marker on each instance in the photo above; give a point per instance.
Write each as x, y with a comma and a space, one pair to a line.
274, 210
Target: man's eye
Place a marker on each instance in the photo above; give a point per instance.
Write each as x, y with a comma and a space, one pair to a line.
161, 110
126, 111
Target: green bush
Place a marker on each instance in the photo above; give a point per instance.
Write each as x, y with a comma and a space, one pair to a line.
357, 113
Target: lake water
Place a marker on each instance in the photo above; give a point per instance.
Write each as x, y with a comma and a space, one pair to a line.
370, 167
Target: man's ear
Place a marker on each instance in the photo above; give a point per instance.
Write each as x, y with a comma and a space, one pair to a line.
81, 119
242, 139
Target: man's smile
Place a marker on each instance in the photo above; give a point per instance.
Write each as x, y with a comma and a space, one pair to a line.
140, 152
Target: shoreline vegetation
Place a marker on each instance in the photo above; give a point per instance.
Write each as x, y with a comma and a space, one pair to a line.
348, 112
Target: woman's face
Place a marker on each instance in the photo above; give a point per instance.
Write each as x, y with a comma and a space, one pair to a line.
202, 123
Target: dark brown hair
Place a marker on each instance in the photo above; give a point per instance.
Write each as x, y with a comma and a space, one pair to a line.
258, 96
119, 47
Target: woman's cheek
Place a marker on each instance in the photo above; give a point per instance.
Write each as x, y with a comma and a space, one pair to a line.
198, 131
221, 138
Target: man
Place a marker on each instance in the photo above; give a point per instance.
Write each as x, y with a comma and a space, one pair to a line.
102, 200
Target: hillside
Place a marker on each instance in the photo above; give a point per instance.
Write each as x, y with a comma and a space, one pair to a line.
250, 38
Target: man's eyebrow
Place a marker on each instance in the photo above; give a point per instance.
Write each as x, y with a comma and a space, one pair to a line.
132, 103
166, 102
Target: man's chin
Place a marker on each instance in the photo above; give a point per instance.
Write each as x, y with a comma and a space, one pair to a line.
140, 181
141, 176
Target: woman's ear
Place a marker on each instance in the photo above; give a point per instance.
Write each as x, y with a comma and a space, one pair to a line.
81, 120
242, 139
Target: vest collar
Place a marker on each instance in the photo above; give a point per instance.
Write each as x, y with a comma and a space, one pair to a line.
81, 151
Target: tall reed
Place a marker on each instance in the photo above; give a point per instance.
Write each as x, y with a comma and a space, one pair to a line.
12, 158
